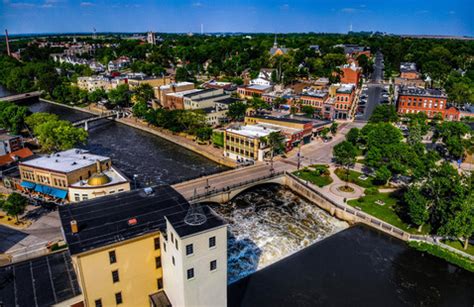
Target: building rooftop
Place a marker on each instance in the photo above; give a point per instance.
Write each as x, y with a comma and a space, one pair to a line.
114, 177
210, 97
284, 119
119, 217
408, 67
201, 91
423, 92
345, 89
7, 137
177, 84
316, 94
183, 93
228, 100
258, 87
65, 161
252, 131
42, 281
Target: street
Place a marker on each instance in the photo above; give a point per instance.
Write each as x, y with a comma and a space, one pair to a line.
374, 88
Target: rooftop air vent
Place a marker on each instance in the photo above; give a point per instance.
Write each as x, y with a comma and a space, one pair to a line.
132, 221
148, 191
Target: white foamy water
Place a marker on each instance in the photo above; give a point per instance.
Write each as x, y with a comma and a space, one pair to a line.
269, 223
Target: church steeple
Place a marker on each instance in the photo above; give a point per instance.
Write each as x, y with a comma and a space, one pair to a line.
275, 45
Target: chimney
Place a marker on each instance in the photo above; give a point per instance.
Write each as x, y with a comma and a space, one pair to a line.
97, 163
74, 227
8, 43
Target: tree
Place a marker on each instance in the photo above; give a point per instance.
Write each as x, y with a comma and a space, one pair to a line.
461, 222
353, 136
119, 96
12, 117
384, 113
39, 118
345, 155
140, 109
414, 134
382, 175
143, 92
452, 134
324, 132
276, 142
59, 135
204, 133
308, 110
97, 95
418, 206
237, 110
182, 74
333, 128
14, 205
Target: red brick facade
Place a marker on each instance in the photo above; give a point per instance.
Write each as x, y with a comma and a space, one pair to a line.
428, 104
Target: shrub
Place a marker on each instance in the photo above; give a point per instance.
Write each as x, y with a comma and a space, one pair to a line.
371, 191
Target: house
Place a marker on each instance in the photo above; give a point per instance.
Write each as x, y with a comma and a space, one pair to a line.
254, 90
15, 156
409, 71
264, 77
10, 143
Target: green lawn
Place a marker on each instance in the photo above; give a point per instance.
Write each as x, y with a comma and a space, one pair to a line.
460, 246
354, 178
314, 177
386, 212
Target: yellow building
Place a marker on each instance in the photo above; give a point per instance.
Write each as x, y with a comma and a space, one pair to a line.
246, 143
55, 175
152, 81
122, 246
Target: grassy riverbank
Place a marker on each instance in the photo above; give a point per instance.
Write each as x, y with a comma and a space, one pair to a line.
445, 254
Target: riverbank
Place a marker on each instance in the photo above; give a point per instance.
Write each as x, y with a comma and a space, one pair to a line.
207, 151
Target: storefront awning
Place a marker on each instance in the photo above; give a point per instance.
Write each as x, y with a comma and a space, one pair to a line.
28, 185
50, 191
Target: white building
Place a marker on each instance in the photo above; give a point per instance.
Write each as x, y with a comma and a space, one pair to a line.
194, 259
264, 77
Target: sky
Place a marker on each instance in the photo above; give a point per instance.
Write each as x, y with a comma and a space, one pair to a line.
454, 17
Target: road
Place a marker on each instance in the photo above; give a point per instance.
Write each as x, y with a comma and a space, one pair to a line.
316, 152
374, 88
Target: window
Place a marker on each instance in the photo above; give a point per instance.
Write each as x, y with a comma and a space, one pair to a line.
212, 242
98, 303
190, 273
118, 298
115, 276
164, 246
176, 243
85, 197
77, 197
157, 243
172, 260
160, 283
158, 262
189, 249
213, 265
112, 257
172, 237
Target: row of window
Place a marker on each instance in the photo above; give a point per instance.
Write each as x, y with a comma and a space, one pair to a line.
240, 151
342, 106
118, 300
430, 105
238, 140
420, 100
342, 98
113, 255
212, 267
312, 103
429, 113
190, 247
77, 196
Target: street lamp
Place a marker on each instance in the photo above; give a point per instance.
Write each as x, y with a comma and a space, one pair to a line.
135, 180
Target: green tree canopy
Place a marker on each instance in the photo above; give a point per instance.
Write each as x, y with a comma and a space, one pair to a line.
59, 135
14, 205
384, 113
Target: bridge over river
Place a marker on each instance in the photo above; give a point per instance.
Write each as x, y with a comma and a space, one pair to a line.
32, 96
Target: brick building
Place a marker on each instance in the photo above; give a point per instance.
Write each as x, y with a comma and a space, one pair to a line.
414, 100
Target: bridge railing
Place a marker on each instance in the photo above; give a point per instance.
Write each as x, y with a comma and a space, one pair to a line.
234, 186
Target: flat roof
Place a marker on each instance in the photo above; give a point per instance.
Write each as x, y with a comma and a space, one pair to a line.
284, 119
115, 177
118, 217
42, 281
252, 131
258, 87
201, 91
183, 93
424, 92
228, 100
7, 137
210, 97
177, 84
65, 161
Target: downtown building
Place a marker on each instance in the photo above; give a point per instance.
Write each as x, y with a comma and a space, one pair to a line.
146, 247
428, 101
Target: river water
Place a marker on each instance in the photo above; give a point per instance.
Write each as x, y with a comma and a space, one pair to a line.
268, 223
153, 159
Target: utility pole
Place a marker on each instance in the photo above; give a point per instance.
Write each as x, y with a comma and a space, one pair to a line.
299, 156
